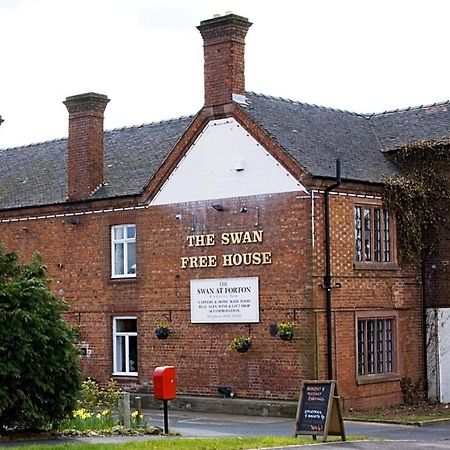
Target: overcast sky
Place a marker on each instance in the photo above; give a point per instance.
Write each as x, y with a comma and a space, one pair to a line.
147, 57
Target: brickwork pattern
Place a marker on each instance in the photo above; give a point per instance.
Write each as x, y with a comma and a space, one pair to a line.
85, 146
78, 256
78, 259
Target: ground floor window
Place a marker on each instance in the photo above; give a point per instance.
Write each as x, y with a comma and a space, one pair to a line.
125, 346
375, 341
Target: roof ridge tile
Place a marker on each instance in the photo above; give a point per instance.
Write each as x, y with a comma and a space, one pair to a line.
34, 144
148, 124
406, 109
297, 102
126, 127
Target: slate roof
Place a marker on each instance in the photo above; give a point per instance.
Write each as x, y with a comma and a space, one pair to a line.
397, 128
36, 174
314, 136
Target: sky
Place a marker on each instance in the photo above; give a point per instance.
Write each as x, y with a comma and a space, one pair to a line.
147, 57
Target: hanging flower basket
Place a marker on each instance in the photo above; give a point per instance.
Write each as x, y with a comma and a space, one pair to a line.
162, 331
241, 344
285, 331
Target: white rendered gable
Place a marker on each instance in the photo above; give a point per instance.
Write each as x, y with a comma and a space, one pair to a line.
225, 161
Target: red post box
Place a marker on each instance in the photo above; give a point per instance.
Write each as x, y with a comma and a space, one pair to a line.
164, 383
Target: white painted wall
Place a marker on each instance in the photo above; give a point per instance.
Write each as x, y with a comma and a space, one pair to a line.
210, 169
438, 354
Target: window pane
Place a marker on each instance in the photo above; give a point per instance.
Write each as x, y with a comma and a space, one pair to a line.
132, 360
361, 348
120, 354
118, 259
380, 341
389, 360
126, 325
358, 238
118, 232
367, 235
377, 234
370, 346
131, 232
131, 257
387, 237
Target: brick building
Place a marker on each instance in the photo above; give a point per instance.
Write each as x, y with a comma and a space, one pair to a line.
215, 225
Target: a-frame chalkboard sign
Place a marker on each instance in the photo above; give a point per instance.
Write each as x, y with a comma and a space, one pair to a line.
319, 410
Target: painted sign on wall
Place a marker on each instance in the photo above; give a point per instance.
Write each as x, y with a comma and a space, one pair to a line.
227, 260
225, 300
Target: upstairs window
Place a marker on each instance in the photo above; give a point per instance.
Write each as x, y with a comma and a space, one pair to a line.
373, 230
123, 251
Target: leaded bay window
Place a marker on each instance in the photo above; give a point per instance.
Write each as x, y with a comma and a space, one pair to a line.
125, 346
123, 251
373, 234
375, 345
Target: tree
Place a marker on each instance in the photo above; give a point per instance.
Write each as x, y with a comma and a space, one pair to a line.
39, 368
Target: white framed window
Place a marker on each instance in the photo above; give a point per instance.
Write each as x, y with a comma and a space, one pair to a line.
125, 346
123, 251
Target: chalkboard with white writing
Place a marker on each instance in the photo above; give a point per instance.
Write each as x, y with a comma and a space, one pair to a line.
318, 411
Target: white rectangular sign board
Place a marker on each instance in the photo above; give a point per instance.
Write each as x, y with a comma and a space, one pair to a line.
225, 300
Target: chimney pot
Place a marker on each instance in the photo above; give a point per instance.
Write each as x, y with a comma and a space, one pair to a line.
85, 144
223, 46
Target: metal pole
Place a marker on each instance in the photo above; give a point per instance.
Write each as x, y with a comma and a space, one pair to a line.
166, 418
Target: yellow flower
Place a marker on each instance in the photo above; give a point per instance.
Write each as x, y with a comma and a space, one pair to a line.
99, 416
141, 416
78, 413
135, 414
105, 412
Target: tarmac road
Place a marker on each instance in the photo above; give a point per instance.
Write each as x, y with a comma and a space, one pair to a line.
203, 424
193, 424
389, 436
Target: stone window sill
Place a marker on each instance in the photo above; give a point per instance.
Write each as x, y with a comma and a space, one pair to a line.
375, 266
380, 378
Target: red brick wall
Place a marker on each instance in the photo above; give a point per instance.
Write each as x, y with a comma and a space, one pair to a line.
364, 291
78, 259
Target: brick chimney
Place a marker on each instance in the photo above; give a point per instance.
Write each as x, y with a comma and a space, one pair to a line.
85, 146
223, 46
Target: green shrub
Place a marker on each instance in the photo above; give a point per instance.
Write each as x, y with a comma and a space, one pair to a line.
93, 398
39, 367
95, 411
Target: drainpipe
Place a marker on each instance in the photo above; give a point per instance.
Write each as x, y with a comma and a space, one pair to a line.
424, 326
327, 277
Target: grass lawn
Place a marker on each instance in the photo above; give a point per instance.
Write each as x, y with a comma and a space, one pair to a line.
235, 443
